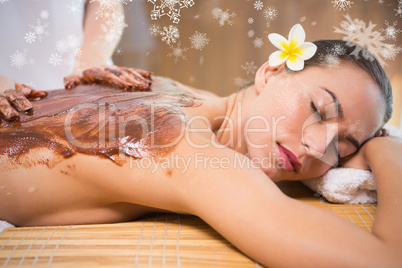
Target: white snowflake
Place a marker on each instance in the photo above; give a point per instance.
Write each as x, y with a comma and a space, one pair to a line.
390, 31
250, 33
55, 59
44, 14
343, 5
223, 16
250, 20
30, 37
107, 7
62, 46
270, 13
113, 28
40, 29
196, 17
357, 32
19, 59
249, 67
170, 34
241, 82
177, 52
389, 52
398, 11
199, 40
73, 41
3, 1
332, 59
258, 5
154, 30
170, 8
258, 42
337, 49
118, 51
73, 8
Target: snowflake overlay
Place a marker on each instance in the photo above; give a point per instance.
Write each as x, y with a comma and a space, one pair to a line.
107, 7
44, 14
3, 1
250, 33
223, 16
66, 50
170, 8
241, 82
258, 42
199, 40
258, 5
331, 58
30, 37
270, 13
250, 20
249, 67
398, 11
113, 28
74, 8
170, 34
177, 52
356, 31
19, 59
55, 59
154, 30
39, 29
390, 31
342, 5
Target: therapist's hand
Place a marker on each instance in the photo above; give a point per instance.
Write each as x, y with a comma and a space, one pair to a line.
14, 98
115, 76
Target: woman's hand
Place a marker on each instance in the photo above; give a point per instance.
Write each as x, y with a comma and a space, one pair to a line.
14, 98
358, 160
120, 77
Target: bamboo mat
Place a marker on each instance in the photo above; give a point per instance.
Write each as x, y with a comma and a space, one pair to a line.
160, 240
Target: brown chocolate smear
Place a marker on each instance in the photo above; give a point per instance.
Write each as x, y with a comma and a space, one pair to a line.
101, 121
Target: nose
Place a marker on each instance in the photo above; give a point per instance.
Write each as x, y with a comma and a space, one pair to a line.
316, 139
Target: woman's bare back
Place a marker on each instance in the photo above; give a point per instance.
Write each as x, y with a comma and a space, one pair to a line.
50, 159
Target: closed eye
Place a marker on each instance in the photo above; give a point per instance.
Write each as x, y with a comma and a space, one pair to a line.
315, 110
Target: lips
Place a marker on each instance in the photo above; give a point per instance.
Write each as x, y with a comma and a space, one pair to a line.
289, 160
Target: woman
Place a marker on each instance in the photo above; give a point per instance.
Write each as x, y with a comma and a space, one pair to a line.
217, 158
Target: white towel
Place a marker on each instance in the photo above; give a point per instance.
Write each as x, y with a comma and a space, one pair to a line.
348, 185
4, 225
345, 185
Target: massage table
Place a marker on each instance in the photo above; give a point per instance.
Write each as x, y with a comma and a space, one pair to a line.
158, 240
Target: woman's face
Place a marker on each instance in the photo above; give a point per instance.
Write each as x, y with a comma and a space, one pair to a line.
300, 122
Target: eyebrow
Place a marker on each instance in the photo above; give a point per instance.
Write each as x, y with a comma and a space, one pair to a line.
338, 104
350, 138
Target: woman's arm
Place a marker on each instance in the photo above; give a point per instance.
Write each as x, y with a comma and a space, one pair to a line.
250, 211
384, 156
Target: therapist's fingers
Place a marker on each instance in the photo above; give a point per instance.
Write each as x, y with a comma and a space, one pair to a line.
7, 111
29, 92
18, 100
135, 78
97, 75
38, 94
71, 81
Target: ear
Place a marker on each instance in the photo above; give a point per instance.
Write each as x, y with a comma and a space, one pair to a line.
263, 74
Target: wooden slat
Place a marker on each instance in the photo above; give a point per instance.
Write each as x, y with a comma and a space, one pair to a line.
161, 240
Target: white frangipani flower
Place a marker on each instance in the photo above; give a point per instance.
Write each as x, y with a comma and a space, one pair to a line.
294, 51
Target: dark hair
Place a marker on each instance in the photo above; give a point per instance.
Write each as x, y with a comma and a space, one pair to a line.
331, 52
